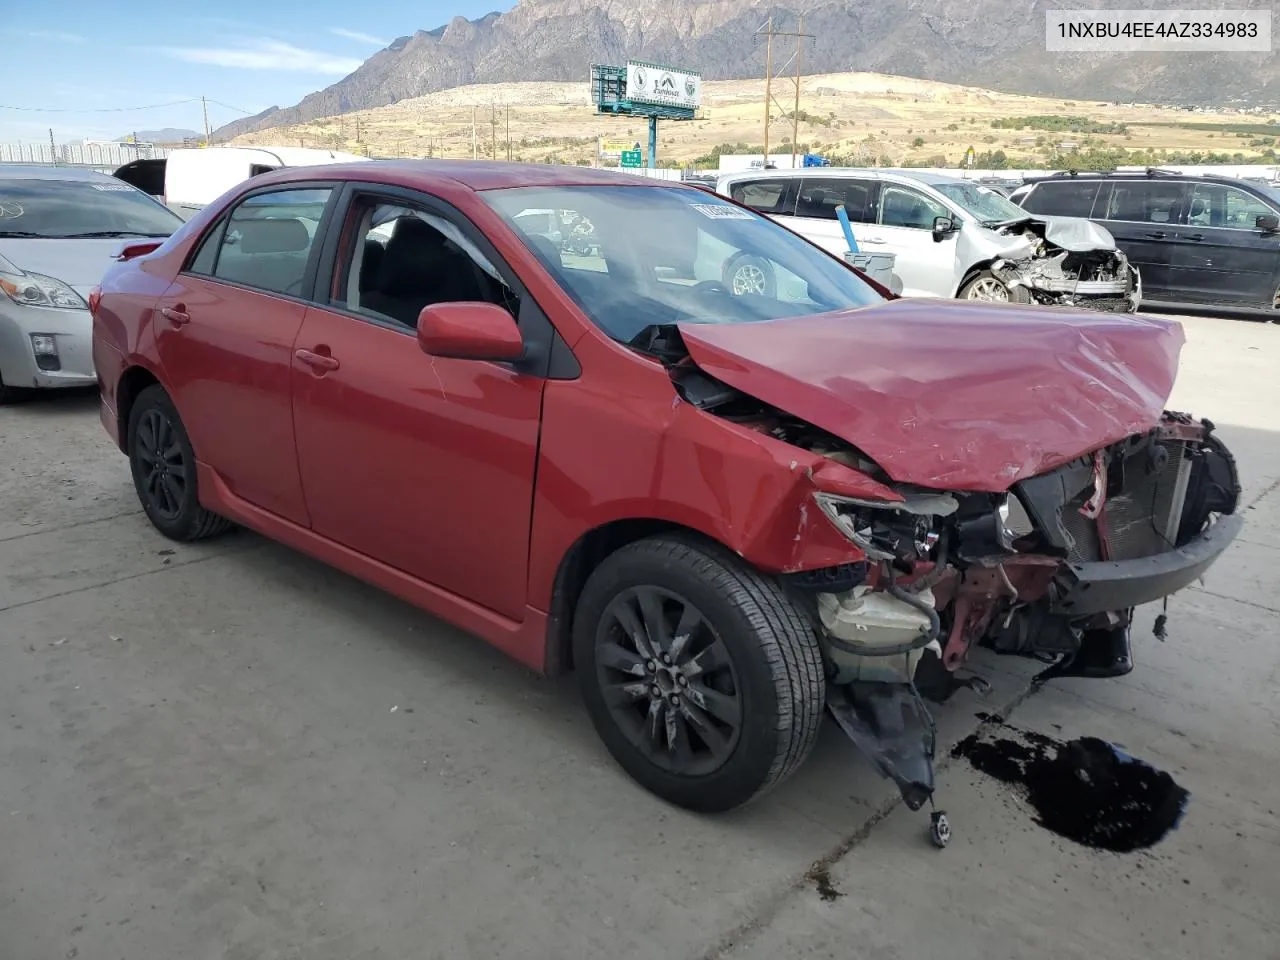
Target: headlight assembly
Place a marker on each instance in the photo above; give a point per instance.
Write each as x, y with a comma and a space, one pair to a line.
889, 531
37, 290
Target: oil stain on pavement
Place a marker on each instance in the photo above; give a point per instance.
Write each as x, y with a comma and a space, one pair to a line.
1086, 790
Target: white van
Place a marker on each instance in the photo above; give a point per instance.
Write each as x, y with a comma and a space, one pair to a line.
186, 180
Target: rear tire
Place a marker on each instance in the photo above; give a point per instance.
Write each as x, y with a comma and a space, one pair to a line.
734, 707
986, 286
164, 470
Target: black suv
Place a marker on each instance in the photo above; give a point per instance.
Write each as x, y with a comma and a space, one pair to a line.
1195, 239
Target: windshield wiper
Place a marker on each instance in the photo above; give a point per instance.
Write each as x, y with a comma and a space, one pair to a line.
24, 234
106, 234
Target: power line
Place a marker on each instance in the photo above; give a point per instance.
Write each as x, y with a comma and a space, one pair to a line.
247, 113
150, 106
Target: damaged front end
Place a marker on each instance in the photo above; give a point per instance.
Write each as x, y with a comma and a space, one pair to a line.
1070, 262
1051, 570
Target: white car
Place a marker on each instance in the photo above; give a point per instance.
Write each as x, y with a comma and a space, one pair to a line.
949, 237
59, 230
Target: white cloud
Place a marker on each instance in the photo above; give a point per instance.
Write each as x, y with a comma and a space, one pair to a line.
359, 37
266, 55
57, 36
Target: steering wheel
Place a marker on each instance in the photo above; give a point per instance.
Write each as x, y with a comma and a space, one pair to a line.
711, 286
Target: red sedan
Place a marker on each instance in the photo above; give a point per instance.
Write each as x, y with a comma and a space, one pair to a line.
635, 428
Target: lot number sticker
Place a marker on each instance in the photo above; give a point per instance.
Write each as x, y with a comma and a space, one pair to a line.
717, 211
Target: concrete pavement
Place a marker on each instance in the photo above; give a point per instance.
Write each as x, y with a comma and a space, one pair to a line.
229, 751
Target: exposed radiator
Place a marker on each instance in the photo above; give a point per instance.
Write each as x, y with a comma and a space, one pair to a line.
1142, 519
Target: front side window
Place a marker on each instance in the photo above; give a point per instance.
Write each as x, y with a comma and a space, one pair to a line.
65, 209
267, 240
904, 207
1218, 205
1146, 201
648, 256
405, 258
819, 197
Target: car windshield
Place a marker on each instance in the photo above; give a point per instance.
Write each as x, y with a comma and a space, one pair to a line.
635, 257
982, 203
61, 209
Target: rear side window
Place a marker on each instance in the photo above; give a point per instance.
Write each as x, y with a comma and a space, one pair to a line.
1145, 201
819, 197
1069, 198
764, 196
267, 240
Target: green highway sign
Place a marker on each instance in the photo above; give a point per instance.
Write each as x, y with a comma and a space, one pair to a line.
631, 158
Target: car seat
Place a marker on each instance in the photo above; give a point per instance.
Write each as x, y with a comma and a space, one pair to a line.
420, 267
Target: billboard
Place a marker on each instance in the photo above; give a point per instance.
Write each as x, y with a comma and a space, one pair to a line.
612, 148
650, 83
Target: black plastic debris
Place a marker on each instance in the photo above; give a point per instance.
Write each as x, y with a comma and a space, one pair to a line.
1086, 790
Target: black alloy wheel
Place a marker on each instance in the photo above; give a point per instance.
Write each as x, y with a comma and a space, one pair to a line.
668, 681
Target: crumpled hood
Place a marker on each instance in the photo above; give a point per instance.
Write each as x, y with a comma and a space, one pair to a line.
79, 264
955, 395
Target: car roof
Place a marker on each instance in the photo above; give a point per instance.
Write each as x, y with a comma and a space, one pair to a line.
1154, 175
926, 177
474, 174
34, 171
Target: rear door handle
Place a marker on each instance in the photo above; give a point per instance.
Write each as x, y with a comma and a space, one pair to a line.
320, 362
1157, 236
177, 314
1196, 236
871, 240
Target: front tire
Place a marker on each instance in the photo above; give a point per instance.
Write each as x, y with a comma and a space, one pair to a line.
164, 470
986, 286
702, 678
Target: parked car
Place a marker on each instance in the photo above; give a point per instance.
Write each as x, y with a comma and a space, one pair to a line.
727, 509
185, 180
58, 230
950, 237
1196, 239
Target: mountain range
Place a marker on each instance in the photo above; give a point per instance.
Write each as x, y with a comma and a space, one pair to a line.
989, 43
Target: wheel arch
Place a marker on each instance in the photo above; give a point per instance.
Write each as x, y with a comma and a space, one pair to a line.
972, 271
576, 566
132, 382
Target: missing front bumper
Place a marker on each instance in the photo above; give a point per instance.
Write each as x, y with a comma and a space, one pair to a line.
1105, 585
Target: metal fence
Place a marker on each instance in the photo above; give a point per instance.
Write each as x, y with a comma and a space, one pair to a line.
102, 155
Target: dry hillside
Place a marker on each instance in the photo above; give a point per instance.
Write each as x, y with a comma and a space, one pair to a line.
859, 116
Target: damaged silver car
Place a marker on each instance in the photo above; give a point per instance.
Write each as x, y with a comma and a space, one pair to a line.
949, 237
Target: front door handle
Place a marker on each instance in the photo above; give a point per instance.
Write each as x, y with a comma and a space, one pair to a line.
871, 240
1196, 236
320, 362
177, 314
1157, 236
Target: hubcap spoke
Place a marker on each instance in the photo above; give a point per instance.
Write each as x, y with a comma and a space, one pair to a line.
707, 731
709, 660
656, 727
690, 620
654, 625
721, 706
626, 617
626, 693
615, 657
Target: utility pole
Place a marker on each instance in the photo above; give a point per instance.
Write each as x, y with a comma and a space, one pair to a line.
769, 102
204, 108
474, 153
508, 132
53, 150
768, 89
493, 130
795, 113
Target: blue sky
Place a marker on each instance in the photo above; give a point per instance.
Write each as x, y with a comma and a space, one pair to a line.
72, 64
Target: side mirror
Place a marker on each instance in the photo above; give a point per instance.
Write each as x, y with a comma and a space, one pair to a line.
941, 227
1268, 223
469, 331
